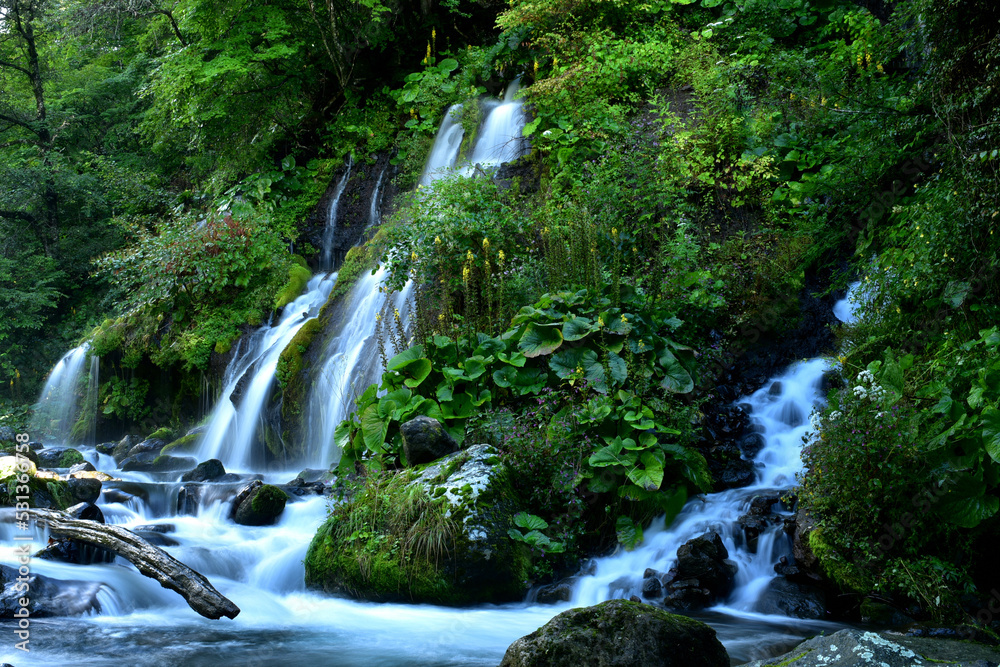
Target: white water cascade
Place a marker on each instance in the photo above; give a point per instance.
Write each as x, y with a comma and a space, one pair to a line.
500, 138
58, 407
233, 426
444, 152
330, 231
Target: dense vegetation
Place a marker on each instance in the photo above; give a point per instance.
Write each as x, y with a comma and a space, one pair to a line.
692, 163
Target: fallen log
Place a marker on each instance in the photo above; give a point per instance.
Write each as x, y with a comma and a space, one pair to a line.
148, 559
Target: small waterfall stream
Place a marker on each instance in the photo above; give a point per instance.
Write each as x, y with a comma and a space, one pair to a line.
58, 407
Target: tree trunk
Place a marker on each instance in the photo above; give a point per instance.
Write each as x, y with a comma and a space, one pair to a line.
149, 560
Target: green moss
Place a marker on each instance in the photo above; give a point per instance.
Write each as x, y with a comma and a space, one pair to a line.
162, 433
270, 500
184, 443
846, 575
298, 276
70, 458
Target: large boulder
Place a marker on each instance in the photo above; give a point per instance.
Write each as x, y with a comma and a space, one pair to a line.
205, 471
425, 440
702, 575
856, 648
59, 457
436, 533
788, 598
258, 504
68, 550
618, 633
49, 597
46, 490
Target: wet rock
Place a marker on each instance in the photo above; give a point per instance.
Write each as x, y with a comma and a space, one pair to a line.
155, 538
618, 633
554, 593
205, 471
84, 490
49, 597
850, 648
787, 598
152, 461
59, 457
258, 504
86, 512
86, 466
188, 499
751, 444
803, 553
731, 471
301, 487
757, 519
652, 588
7, 434
162, 528
121, 450
107, 448
425, 440
775, 389
703, 573
150, 445
790, 570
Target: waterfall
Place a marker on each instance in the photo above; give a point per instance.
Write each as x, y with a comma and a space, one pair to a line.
444, 152
57, 408
329, 232
92, 400
500, 138
248, 380
779, 412
374, 216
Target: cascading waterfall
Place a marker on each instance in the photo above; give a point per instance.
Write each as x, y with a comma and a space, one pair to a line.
329, 232
235, 421
500, 138
92, 399
374, 216
444, 152
779, 412
57, 408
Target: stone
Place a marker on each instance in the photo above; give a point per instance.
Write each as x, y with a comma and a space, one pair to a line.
857, 648
260, 506
152, 461
49, 597
69, 550
787, 598
425, 440
555, 593
652, 588
86, 466
59, 457
618, 633
703, 573
205, 471
751, 444
106, 448
120, 451
465, 502
84, 490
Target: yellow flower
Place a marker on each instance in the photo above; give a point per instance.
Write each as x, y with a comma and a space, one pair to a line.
879, 68
441, 317
469, 256
486, 244
413, 256
641, 345
465, 274
501, 256
624, 319
600, 321
378, 317
555, 63
536, 68
395, 313
822, 101
437, 240
614, 231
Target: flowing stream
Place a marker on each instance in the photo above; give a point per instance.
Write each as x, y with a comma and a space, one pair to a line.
58, 408
261, 569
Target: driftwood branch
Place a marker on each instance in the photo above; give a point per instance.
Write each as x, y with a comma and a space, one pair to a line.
148, 559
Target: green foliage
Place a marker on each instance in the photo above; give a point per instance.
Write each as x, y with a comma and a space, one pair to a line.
125, 399
298, 276
534, 537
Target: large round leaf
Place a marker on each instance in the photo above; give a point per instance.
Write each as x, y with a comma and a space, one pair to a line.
675, 377
539, 340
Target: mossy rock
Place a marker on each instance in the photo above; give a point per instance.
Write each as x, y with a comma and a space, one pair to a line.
402, 538
845, 574
43, 492
298, 277
185, 443
261, 507
163, 433
59, 458
10, 449
619, 632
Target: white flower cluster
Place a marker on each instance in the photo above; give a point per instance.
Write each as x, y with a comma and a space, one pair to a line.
873, 392
836, 414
